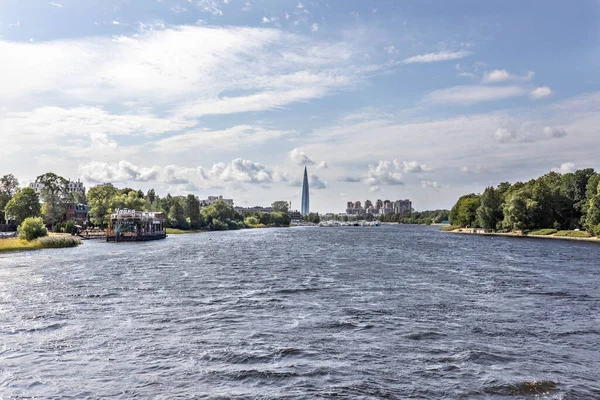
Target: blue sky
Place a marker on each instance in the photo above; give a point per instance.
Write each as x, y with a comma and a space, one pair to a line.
424, 100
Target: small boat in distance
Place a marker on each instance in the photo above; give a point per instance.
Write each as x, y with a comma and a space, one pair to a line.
136, 226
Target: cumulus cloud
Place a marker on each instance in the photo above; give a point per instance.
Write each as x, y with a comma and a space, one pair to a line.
473, 94
314, 27
238, 170
301, 158
412, 167
209, 6
434, 57
124, 171
502, 75
554, 132
565, 168
541, 92
384, 173
322, 165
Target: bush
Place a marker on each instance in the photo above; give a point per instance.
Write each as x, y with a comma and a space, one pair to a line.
32, 228
573, 234
543, 232
252, 221
58, 242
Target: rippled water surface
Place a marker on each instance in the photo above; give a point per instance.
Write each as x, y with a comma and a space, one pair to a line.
389, 312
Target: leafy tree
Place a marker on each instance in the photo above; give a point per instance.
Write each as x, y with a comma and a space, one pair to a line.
8, 187
166, 203
100, 199
24, 204
192, 211
222, 216
129, 201
280, 219
251, 221
489, 213
54, 192
464, 212
519, 211
151, 196
177, 216
280, 206
313, 217
32, 228
592, 221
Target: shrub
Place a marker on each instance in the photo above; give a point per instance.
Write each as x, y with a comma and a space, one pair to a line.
252, 221
57, 242
32, 228
543, 232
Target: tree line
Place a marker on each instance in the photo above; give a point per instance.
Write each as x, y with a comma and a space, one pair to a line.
553, 201
181, 212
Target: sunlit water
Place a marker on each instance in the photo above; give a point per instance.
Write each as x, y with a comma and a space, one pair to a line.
388, 312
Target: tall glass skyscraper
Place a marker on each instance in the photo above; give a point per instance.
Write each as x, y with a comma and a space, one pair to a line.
305, 209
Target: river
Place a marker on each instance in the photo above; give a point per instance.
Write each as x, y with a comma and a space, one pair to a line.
397, 312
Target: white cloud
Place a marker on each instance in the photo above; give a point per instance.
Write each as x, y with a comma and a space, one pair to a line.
238, 171
554, 132
412, 167
300, 5
314, 27
287, 15
565, 168
322, 165
466, 170
434, 57
374, 189
473, 94
209, 6
124, 171
390, 49
384, 173
301, 158
431, 185
541, 92
502, 75
503, 135
56, 4
177, 9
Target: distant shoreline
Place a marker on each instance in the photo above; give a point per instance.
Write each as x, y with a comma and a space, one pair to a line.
466, 231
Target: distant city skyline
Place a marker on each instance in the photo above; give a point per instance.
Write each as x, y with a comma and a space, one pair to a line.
426, 100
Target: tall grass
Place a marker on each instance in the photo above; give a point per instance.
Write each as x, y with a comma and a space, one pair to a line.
51, 242
173, 231
449, 228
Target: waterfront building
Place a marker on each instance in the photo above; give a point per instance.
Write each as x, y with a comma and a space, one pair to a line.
135, 226
305, 207
215, 199
254, 209
77, 213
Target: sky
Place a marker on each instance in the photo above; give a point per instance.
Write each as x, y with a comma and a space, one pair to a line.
425, 100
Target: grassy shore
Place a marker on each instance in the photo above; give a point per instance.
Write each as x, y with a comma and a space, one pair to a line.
173, 231
49, 242
542, 233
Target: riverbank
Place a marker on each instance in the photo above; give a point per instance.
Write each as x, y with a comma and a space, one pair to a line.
55, 241
468, 231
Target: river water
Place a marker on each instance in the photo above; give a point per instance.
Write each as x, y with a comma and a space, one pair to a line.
394, 312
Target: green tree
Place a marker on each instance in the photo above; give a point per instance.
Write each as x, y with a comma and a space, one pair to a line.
464, 212
192, 212
489, 213
222, 216
280, 219
100, 199
54, 192
280, 206
151, 196
592, 221
312, 217
519, 211
24, 204
32, 228
177, 216
8, 188
129, 201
